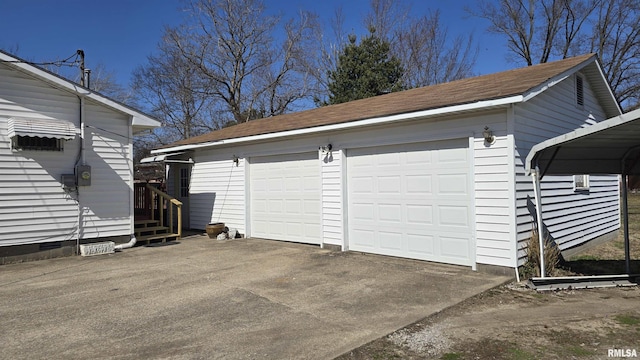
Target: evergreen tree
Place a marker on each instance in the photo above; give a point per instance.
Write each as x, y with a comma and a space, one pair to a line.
364, 70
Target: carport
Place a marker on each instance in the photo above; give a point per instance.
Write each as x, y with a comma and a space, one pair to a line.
609, 147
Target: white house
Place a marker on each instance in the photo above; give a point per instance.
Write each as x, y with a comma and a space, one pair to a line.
434, 173
51, 129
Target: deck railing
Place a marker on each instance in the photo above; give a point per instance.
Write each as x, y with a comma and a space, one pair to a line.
165, 201
150, 203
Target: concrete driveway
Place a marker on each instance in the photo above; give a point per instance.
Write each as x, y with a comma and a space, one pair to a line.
205, 299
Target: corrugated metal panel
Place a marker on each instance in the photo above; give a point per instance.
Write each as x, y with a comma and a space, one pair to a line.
46, 128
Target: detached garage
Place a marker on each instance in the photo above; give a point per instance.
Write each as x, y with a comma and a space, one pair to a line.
434, 173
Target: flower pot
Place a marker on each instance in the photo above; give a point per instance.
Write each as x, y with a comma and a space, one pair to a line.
214, 229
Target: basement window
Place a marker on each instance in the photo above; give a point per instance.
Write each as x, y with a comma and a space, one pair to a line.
579, 90
19, 142
580, 183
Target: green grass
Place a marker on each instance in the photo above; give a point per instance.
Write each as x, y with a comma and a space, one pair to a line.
580, 351
628, 319
519, 354
585, 258
451, 356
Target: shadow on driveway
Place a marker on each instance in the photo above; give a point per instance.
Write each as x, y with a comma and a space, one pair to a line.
202, 298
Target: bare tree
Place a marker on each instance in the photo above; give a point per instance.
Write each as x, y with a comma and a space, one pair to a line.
104, 81
616, 37
329, 45
429, 56
540, 30
427, 53
231, 44
171, 87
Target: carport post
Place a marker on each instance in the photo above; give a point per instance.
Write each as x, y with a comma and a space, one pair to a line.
625, 216
535, 177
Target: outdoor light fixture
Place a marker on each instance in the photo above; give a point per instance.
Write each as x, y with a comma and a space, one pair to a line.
488, 135
236, 160
326, 148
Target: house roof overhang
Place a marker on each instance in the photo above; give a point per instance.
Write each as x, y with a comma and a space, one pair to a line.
608, 147
166, 158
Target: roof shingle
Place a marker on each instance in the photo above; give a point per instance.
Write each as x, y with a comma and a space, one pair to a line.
470, 90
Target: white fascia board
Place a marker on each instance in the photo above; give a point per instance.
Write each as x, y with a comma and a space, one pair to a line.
540, 89
139, 118
578, 133
352, 124
555, 80
609, 90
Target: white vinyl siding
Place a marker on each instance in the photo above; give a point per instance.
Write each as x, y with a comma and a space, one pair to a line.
105, 203
217, 190
571, 217
492, 176
34, 208
332, 214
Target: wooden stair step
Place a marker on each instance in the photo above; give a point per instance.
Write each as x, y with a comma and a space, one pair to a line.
154, 229
137, 222
141, 224
163, 237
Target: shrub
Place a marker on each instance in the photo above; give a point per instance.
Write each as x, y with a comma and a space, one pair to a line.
531, 268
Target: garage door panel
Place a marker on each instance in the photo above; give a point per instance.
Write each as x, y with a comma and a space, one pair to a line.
454, 216
453, 184
420, 244
363, 239
285, 197
419, 214
411, 201
454, 247
419, 184
390, 214
390, 240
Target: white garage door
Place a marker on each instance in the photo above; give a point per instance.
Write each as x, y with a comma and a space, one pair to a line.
411, 200
285, 197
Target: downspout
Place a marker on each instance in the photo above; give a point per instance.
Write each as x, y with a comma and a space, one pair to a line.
535, 177
80, 160
133, 239
127, 245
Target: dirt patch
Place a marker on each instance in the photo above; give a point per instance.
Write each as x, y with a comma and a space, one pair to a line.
512, 322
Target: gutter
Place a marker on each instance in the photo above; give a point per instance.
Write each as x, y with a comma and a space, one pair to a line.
349, 125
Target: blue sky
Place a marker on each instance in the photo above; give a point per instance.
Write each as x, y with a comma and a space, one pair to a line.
120, 34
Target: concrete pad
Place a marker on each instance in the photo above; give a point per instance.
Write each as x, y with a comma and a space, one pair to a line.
203, 298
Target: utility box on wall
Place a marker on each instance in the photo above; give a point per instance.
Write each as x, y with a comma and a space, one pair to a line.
83, 173
68, 181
